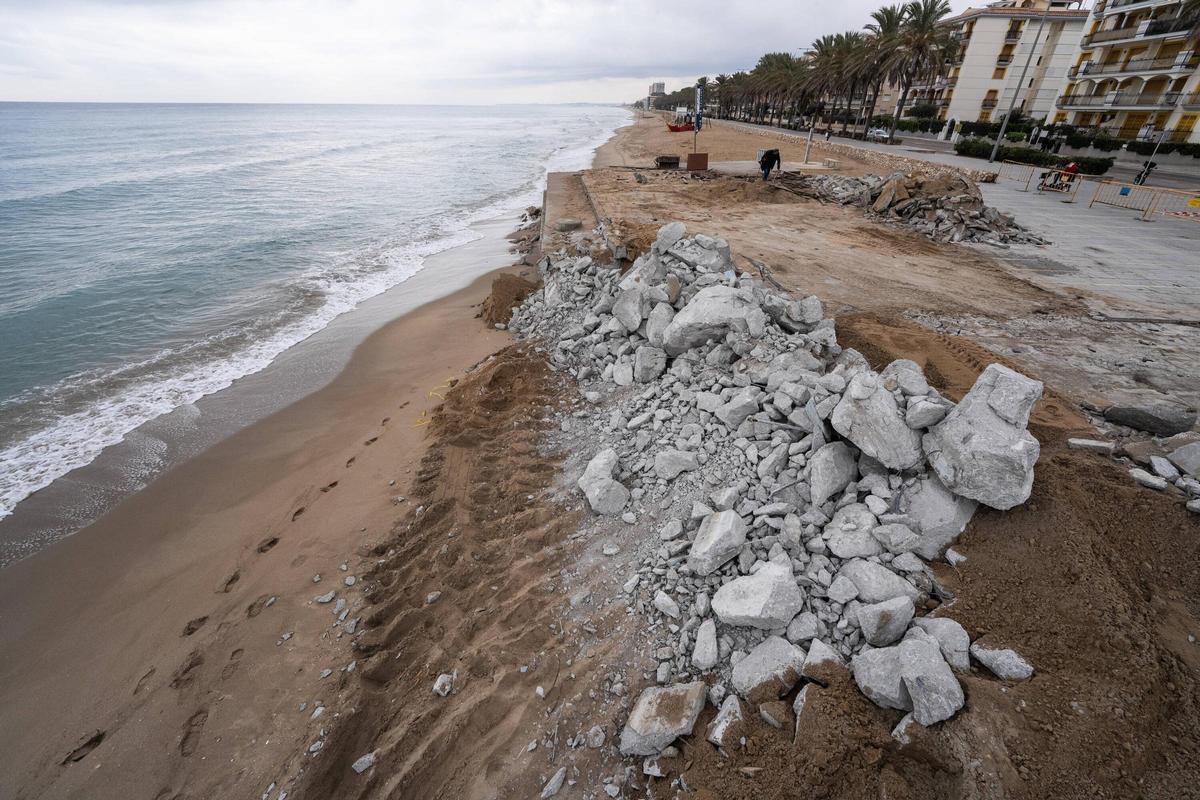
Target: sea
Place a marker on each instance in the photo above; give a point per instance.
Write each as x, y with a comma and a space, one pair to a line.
152, 255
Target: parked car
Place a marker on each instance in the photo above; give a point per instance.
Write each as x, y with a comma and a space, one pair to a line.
877, 135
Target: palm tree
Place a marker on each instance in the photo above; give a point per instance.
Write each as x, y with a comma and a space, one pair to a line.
883, 34
920, 48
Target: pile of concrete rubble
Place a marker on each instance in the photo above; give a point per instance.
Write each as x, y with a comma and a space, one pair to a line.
946, 208
802, 492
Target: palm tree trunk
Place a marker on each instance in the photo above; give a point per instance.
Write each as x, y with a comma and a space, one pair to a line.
899, 108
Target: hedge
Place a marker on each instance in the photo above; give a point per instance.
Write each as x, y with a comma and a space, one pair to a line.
974, 147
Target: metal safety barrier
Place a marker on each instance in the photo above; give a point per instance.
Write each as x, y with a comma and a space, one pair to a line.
1149, 200
1048, 179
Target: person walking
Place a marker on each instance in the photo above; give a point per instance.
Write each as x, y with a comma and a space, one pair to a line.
770, 159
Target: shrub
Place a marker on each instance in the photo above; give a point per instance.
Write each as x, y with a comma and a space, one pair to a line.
1015, 136
1078, 140
1146, 148
922, 110
1106, 142
974, 147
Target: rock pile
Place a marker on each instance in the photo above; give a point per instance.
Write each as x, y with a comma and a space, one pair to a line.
946, 208
802, 490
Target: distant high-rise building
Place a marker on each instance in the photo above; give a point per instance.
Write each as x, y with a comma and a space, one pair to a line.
658, 89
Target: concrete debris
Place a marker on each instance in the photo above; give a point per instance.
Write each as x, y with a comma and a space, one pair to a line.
769, 671
555, 783
982, 450
604, 495
884, 623
944, 207
951, 637
777, 497
910, 676
721, 536
768, 599
661, 715
1160, 419
1005, 664
726, 727
869, 417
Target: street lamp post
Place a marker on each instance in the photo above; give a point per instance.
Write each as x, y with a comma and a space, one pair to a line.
1025, 70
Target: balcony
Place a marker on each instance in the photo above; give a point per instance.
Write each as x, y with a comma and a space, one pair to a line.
988, 103
1120, 100
1146, 29
1184, 62
1191, 100
1004, 60
1128, 5
1012, 36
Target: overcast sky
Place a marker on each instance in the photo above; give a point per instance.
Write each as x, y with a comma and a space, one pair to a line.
393, 51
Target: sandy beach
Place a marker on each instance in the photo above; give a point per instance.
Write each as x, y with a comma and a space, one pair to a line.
270, 612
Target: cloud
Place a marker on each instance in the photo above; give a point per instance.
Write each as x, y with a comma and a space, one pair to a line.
381, 51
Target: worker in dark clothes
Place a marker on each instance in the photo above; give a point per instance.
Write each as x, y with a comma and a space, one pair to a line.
770, 159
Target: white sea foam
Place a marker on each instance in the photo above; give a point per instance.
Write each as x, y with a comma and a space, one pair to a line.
75, 439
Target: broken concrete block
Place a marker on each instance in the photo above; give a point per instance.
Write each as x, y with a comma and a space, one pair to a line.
656, 324
719, 539
821, 663
769, 671
868, 416
669, 463
884, 623
704, 652
982, 449
1140, 475
1007, 665
848, 534
875, 582
939, 516
661, 715
910, 676
951, 637
726, 727
712, 313
604, 495
768, 599
1161, 419
830, 469
648, 363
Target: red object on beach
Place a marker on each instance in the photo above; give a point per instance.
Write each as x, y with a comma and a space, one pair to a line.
687, 127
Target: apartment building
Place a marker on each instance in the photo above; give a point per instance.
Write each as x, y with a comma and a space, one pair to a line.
1136, 75
984, 73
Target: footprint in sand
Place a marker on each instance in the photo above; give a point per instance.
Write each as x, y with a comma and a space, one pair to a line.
296, 514
329, 487
255, 608
229, 582
267, 544
187, 670
371, 441
234, 659
142, 681
349, 463
89, 744
194, 625
191, 732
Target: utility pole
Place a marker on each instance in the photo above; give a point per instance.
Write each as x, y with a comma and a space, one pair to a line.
1013, 103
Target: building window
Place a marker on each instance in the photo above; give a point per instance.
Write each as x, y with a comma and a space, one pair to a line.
998, 75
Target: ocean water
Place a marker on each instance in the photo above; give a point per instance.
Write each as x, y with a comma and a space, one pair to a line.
151, 255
